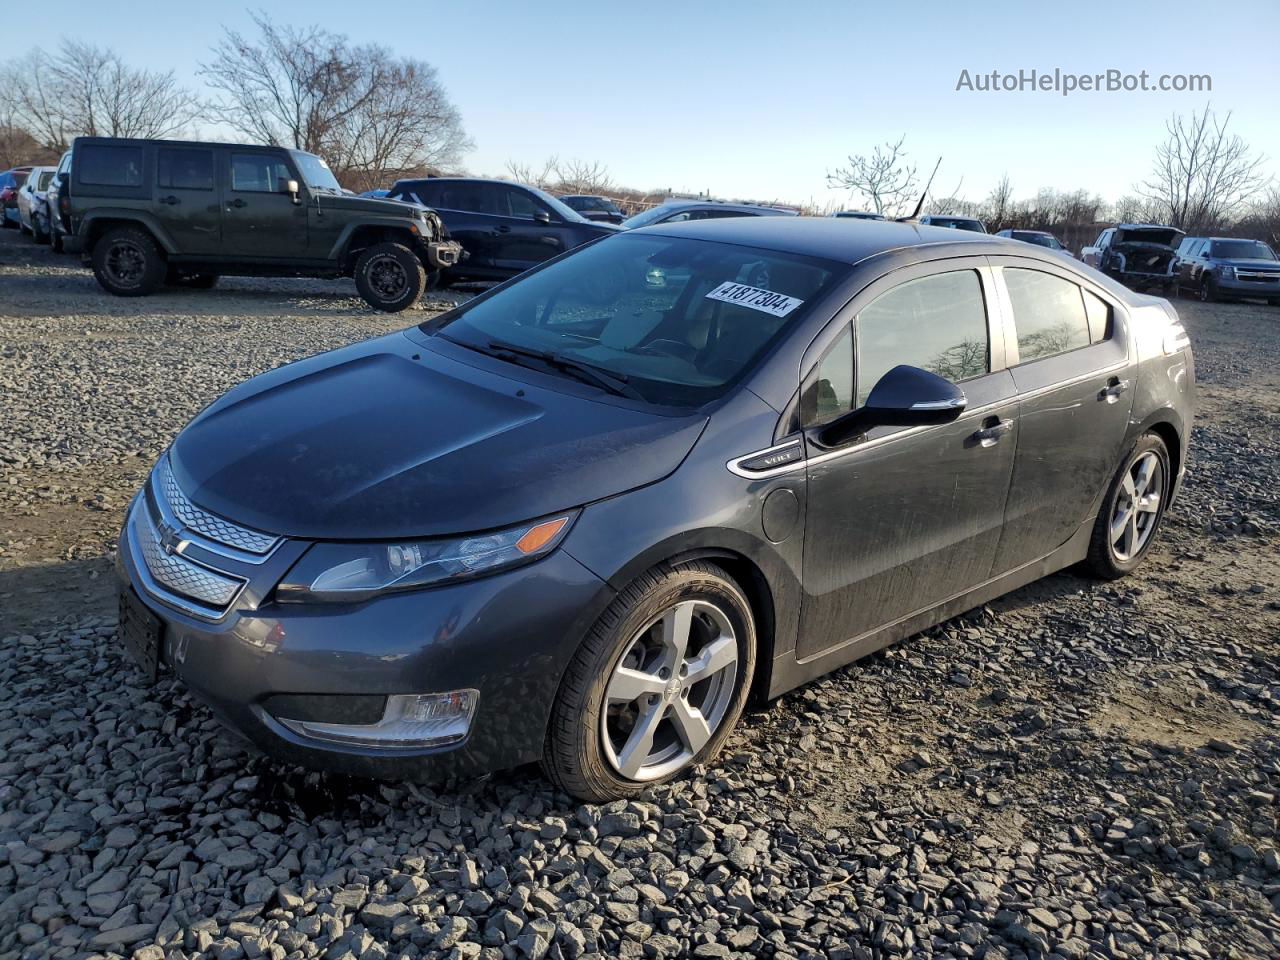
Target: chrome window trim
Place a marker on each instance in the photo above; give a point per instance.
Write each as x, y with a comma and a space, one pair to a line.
734, 465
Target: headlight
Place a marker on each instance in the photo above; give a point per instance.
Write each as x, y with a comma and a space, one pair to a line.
357, 571
1226, 271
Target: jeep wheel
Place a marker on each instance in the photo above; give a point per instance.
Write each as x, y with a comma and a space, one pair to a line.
390, 277
128, 263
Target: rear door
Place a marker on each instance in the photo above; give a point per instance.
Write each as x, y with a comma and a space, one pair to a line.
1068, 354
186, 198
259, 217
905, 517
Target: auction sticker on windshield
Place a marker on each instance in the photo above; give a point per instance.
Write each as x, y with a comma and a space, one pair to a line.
779, 304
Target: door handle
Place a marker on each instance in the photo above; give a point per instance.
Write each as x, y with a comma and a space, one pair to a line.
993, 429
502, 229
237, 202
1111, 392
170, 200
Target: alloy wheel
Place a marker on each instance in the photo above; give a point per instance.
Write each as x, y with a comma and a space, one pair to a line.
125, 263
1137, 506
387, 277
670, 691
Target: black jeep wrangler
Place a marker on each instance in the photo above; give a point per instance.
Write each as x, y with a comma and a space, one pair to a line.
148, 212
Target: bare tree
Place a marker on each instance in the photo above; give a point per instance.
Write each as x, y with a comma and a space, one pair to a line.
405, 126
543, 179
1202, 174
885, 179
581, 176
87, 90
999, 204
358, 107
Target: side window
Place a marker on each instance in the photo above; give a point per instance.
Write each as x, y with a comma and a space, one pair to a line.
105, 166
1099, 314
1048, 313
517, 203
258, 173
471, 197
678, 217
937, 323
182, 169
828, 391
1103, 238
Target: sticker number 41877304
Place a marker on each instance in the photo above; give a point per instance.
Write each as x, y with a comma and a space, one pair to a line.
779, 304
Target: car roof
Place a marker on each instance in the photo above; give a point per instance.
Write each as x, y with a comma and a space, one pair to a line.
842, 239
950, 216
1145, 226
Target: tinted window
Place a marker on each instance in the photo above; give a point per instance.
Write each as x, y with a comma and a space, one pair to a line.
1048, 313
184, 169
258, 173
472, 197
680, 318
937, 323
516, 203
43, 183
110, 166
828, 392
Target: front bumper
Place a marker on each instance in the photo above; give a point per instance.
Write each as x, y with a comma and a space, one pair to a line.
509, 636
443, 253
1248, 288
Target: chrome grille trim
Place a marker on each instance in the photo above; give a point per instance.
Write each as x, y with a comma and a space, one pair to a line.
175, 579
215, 529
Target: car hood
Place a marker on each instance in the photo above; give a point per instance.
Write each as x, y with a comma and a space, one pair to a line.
375, 205
390, 439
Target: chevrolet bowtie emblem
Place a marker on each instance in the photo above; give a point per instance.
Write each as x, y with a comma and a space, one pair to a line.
170, 538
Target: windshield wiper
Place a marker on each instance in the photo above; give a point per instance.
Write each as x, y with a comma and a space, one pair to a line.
615, 383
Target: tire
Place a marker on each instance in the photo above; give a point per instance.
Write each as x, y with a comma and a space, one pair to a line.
1113, 556
390, 277
39, 233
55, 242
1208, 290
592, 738
194, 281
128, 263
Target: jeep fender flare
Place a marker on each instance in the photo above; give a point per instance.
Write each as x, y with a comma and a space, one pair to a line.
124, 215
340, 251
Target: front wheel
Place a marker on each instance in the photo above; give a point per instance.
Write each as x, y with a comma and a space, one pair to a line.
1208, 290
390, 277
1132, 511
128, 263
656, 687
55, 241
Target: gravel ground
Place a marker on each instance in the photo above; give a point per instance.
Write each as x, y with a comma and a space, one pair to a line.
1079, 769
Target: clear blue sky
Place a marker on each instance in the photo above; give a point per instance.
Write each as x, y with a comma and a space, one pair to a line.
760, 99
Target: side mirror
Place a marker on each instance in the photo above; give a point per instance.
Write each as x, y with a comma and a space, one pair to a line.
541, 216
291, 188
903, 397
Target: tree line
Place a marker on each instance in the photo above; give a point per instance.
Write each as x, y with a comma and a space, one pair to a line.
1204, 180
371, 115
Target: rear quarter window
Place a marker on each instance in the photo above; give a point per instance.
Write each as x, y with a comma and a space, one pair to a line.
110, 166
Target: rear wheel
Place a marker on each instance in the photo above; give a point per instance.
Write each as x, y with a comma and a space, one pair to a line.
390, 277
128, 263
1132, 511
656, 687
55, 241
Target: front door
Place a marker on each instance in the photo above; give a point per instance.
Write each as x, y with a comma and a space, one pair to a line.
906, 517
1068, 356
186, 198
521, 240
259, 216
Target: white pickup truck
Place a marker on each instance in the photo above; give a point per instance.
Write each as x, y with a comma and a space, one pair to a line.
1139, 255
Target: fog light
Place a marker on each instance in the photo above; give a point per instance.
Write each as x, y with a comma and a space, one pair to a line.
409, 720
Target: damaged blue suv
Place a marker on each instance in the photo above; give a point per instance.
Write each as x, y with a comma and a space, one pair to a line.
583, 517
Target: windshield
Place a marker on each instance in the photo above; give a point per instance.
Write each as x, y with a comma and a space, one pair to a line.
1242, 250
316, 172
559, 206
1040, 239
652, 215
676, 320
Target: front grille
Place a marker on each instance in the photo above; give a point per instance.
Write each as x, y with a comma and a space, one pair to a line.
1258, 276
206, 524
174, 572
